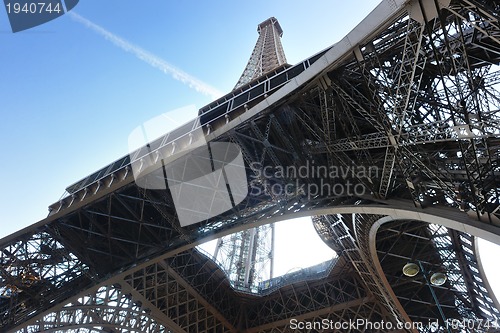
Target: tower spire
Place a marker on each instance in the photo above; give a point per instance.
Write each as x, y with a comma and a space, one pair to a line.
248, 256
267, 54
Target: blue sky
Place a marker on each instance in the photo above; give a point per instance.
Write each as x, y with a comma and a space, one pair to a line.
70, 97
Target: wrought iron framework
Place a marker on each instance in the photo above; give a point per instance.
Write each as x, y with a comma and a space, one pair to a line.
247, 257
267, 54
406, 109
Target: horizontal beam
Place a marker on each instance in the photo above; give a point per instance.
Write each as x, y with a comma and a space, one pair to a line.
313, 314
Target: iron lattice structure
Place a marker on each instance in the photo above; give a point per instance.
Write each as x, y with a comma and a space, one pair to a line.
405, 108
267, 54
247, 257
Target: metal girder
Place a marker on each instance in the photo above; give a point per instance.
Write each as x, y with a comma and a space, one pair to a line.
175, 298
108, 309
437, 247
348, 237
423, 90
363, 307
247, 256
420, 134
301, 299
209, 281
439, 250
379, 81
338, 291
30, 269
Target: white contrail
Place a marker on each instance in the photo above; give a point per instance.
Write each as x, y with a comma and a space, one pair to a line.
150, 58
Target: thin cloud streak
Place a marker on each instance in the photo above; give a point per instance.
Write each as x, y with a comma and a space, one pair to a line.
150, 58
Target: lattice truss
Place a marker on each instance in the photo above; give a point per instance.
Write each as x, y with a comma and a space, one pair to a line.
158, 293
348, 234
108, 309
463, 296
424, 102
31, 270
247, 256
439, 249
267, 54
411, 114
340, 294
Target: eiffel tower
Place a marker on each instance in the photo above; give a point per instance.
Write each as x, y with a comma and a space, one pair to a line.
388, 139
247, 257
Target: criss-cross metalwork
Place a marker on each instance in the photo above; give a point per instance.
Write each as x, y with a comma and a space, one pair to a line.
396, 130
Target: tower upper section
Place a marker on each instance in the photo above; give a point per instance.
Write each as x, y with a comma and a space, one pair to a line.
267, 54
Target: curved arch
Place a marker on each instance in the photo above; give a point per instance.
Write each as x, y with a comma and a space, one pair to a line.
400, 210
450, 218
375, 259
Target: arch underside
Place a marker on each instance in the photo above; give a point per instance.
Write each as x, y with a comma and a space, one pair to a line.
408, 112
189, 291
386, 243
